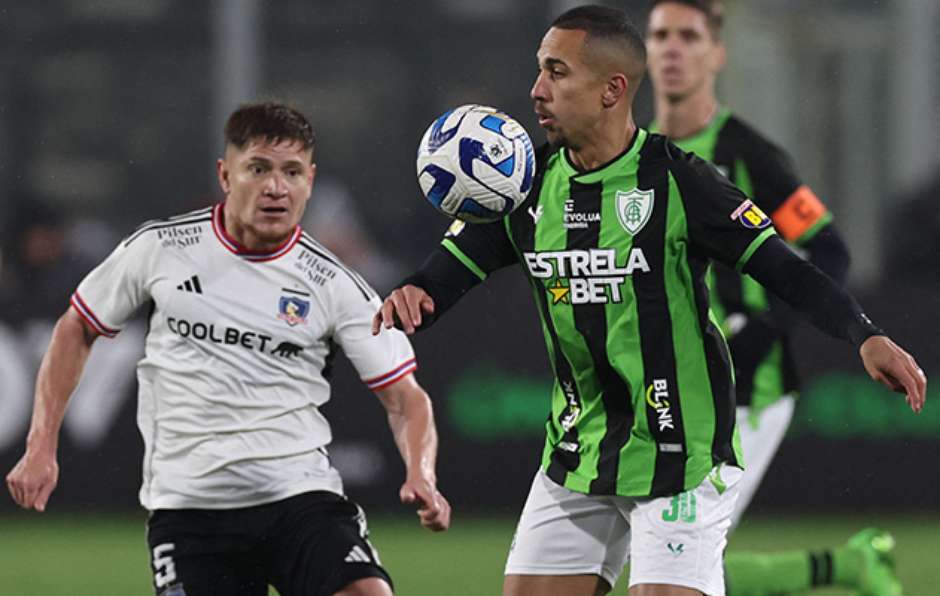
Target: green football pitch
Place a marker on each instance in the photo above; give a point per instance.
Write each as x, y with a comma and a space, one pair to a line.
54, 554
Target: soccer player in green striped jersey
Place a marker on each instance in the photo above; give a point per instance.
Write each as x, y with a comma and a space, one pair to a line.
686, 53
641, 456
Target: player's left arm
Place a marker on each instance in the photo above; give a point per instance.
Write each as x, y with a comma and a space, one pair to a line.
411, 419
810, 291
799, 217
725, 225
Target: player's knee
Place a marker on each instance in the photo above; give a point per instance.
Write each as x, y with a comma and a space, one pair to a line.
369, 586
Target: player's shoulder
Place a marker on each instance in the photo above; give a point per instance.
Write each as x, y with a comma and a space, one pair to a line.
660, 151
740, 133
324, 269
173, 229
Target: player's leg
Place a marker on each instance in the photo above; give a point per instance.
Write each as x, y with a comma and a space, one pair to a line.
370, 586
865, 563
320, 545
677, 541
566, 544
202, 553
761, 435
855, 564
662, 590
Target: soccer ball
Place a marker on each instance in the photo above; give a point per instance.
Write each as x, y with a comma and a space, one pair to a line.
475, 163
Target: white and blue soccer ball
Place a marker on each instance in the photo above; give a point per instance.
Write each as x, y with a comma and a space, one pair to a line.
476, 164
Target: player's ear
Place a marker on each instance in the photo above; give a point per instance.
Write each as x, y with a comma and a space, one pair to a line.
313, 173
222, 172
719, 57
616, 88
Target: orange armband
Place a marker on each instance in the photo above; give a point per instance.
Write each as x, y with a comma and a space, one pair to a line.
801, 211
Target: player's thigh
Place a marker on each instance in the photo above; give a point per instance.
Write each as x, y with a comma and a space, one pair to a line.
565, 533
679, 540
555, 585
662, 590
370, 586
761, 435
197, 553
321, 545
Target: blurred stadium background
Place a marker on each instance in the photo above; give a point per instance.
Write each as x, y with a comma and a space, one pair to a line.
110, 114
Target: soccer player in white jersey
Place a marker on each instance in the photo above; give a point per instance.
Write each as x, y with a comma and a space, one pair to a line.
244, 311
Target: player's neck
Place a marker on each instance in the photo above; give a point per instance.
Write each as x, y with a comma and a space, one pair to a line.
606, 143
247, 238
683, 118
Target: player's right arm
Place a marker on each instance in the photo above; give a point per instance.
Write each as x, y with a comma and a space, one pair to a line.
103, 302
466, 256
35, 476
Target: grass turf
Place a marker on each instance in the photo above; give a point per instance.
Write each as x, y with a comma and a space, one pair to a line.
54, 554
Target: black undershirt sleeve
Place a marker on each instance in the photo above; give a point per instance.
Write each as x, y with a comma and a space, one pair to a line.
445, 279
810, 291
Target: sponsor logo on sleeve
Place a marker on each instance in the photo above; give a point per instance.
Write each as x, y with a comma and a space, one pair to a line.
455, 228
750, 216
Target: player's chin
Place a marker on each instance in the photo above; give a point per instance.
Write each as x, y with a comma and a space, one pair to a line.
275, 231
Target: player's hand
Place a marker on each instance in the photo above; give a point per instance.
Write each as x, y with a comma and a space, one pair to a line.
32, 480
891, 366
403, 308
433, 508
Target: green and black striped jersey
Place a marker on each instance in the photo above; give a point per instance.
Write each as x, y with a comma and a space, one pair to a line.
765, 173
643, 399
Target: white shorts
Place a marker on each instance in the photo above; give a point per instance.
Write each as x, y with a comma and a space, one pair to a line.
760, 440
677, 540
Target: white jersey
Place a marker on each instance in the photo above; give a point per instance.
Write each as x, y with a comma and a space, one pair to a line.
233, 374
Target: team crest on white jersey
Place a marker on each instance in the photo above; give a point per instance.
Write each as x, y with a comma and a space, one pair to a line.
293, 310
634, 208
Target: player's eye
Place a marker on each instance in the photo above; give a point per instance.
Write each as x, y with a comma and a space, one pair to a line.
256, 169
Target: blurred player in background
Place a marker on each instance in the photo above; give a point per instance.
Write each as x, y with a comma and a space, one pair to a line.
245, 311
615, 237
686, 53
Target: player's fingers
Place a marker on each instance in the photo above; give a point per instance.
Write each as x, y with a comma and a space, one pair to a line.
42, 499
377, 321
400, 304
427, 305
414, 297
905, 381
440, 521
407, 495
919, 383
15, 490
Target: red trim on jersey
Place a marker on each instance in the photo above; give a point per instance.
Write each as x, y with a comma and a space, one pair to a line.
89, 316
393, 376
256, 256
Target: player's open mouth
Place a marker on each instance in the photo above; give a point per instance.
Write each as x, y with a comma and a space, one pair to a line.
274, 210
545, 119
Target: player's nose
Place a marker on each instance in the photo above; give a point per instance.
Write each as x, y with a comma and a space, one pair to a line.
539, 90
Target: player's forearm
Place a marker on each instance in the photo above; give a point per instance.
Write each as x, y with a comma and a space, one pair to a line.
412, 425
810, 291
59, 374
828, 251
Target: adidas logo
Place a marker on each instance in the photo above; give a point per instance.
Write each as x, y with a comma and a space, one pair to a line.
191, 285
357, 555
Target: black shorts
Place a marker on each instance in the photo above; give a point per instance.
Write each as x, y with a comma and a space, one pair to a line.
310, 544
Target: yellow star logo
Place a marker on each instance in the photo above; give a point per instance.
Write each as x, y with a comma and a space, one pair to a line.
559, 292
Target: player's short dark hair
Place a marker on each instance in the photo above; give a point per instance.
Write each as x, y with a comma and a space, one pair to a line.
271, 121
604, 23
713, 10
